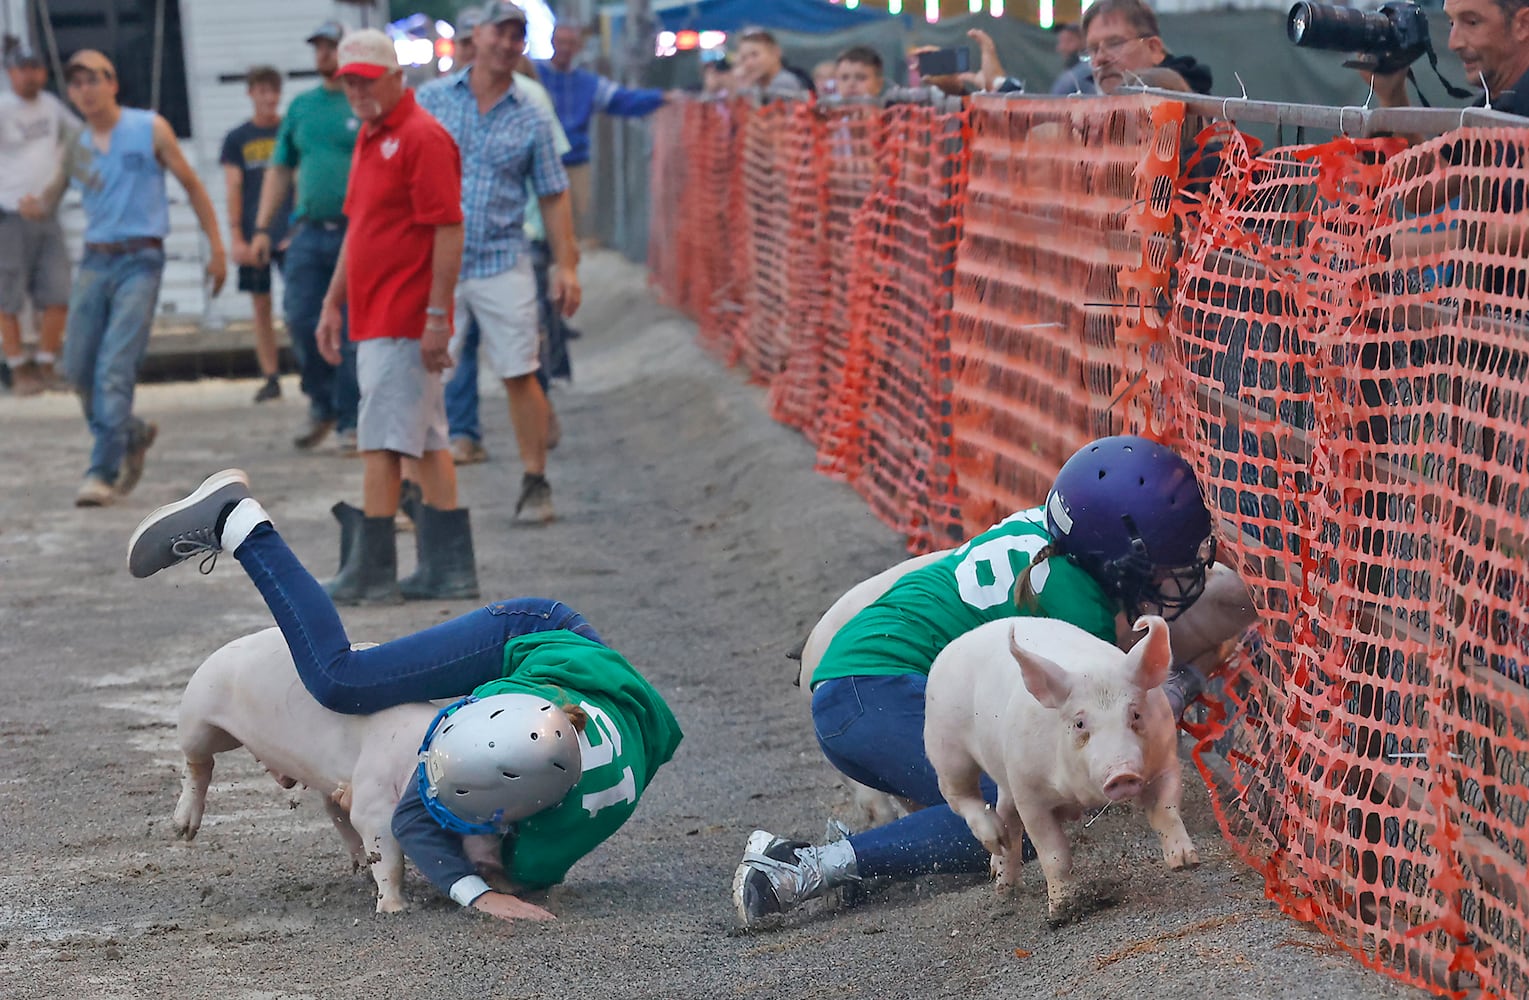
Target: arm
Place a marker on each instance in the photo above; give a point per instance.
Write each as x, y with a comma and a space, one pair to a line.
330, 321
46, 202
438, 854
557, 216
628, 102
168, 151
233, 184
445, 263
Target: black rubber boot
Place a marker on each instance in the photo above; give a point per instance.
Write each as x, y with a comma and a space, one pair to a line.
350, 519
446, 571
370, 576
410, 499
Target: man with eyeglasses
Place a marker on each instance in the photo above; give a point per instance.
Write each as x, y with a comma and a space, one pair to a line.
1121, 38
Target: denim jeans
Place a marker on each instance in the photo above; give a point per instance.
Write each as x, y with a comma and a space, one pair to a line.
555, 360
872, 729
447, 660
462, 388
310, 261
111, 311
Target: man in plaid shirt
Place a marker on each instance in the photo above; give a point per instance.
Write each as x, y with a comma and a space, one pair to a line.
505, 141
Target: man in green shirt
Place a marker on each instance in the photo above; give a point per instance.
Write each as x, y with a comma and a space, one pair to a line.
314, 143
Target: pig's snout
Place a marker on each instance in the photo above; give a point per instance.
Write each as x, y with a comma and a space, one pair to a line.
1123, 785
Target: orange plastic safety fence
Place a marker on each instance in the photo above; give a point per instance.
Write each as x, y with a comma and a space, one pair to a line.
1056, 305
1350, 356
670, 172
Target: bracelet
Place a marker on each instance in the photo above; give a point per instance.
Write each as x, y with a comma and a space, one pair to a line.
436, 323
436, 311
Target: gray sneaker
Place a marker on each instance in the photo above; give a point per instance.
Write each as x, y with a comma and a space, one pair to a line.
186, 528
140, 440
535, 499
772, 878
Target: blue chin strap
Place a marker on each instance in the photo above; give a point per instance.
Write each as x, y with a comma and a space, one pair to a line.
438, 812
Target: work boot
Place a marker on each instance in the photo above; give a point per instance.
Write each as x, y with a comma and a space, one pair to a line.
467, 451
446, 570
269, 389
535, 498
345, 444
316, 431
186, 528
778, 875
94, 492
410, 498
25, 380
140, 438
370, 573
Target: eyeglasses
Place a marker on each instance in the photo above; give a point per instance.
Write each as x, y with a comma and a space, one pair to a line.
1093, 52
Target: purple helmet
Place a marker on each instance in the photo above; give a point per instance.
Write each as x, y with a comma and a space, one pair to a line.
1128, 512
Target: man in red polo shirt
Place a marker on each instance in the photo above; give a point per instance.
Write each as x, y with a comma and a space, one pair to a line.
397, 275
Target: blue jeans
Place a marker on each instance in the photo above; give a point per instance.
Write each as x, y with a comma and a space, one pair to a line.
555, 360
872, 729
462, 388
447, 660
111, 311
332, 392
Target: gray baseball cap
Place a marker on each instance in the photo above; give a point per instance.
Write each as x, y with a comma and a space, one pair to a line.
502, 11
468, 18
331, 31
22, 55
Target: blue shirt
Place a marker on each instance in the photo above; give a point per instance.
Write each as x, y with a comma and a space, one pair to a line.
124, 188
501, 151
579, 93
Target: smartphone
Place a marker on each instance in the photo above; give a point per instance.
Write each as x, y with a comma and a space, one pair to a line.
944, 62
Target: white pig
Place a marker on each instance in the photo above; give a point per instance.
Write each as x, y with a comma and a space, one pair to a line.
1221, 614
248, 693
1078, 726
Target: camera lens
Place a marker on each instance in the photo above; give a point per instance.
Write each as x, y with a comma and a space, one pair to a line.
1300, 20
1322, 26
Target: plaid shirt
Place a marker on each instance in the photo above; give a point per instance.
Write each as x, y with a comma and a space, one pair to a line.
501, 151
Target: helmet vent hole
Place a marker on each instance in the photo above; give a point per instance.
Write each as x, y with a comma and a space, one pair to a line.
559, 733
497, 714
559, 766
536, 736
448, 728
1141, 480
510, 774
461, 791
1101, 473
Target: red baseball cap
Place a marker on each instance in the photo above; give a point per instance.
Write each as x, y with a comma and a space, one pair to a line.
367, 53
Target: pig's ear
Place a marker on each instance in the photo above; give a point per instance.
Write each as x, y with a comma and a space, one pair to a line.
1150, 658
1044, 679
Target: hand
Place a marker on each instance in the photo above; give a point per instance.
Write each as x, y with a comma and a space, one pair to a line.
990, 69
506, 907
260, 250
435, 344
565, 290
241, 254
328, 333
1390, 88
217, 270
31, 208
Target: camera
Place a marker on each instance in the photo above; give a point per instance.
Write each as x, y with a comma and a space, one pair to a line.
1393, 36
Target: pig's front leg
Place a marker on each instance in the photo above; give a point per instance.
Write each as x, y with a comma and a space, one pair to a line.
372, 815
1161, 799
1054, 852
340, 817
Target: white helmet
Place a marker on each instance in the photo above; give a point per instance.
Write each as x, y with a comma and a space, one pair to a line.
497, 760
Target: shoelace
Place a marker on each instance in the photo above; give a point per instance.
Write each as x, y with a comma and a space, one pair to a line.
195, 543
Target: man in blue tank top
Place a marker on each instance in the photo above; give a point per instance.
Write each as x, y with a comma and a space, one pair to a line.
119, 164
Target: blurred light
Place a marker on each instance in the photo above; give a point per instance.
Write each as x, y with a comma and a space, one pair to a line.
713, 39
539, 23
666, 39
975, 6
687, 40
851, 4
444, 29
1047, 15
996, 9
894, 6
931, 10
445, 48
1086, 4
446, 64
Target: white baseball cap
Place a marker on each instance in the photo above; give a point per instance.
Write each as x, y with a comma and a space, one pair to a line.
367, 53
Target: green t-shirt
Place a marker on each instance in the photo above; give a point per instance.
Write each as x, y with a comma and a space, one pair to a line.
316, 139
630, 734
905, 629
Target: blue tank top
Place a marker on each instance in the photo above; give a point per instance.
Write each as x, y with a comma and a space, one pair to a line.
124, 194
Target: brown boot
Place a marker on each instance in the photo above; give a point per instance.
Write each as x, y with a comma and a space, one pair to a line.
25, 380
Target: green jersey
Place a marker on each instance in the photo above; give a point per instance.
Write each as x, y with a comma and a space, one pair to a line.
629, 735
316, 138
905, 629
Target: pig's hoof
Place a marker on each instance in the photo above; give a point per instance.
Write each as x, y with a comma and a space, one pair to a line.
1083, 901
1181, 856
387, 905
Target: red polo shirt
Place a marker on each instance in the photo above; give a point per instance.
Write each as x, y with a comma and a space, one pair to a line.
405, 180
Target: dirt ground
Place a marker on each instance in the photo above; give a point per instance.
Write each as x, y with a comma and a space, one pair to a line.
696, 537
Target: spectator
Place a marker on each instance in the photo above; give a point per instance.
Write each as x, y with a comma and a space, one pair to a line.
315, 140
824, 77
578, 94
760, 62
397, 271
123, 154
465, 52
859, 73
716, 77
504, 147
1123, 38
36, 132
246, 154
1077, 76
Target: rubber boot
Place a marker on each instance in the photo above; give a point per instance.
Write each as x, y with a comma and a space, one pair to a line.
371, 575
446, 571
350, 519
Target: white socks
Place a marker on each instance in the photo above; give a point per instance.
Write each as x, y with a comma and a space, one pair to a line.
246, 516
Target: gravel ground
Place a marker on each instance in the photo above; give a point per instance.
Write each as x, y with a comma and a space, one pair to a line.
694, 534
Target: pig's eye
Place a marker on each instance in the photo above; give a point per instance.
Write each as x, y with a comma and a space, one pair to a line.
1078, 724
1135, 715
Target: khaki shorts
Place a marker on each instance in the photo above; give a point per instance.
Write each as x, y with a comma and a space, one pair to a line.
34, 264
403, 407
508, 319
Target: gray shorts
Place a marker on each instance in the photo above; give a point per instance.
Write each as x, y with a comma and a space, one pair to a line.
34, 264
403, 407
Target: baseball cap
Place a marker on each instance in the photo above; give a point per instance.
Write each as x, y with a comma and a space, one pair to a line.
331, 31
468, 19
367, 53
22, 55
92, 60
502, 11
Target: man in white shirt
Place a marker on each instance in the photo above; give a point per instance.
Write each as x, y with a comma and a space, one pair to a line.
36, 132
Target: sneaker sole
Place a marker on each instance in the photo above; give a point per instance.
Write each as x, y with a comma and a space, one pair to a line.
209, 486
757, 842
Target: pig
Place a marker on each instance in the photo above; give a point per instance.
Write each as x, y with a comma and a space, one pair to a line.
1224, 611
248, 694
1080, 725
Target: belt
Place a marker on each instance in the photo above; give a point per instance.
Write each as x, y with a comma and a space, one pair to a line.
329, 225
127, 246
